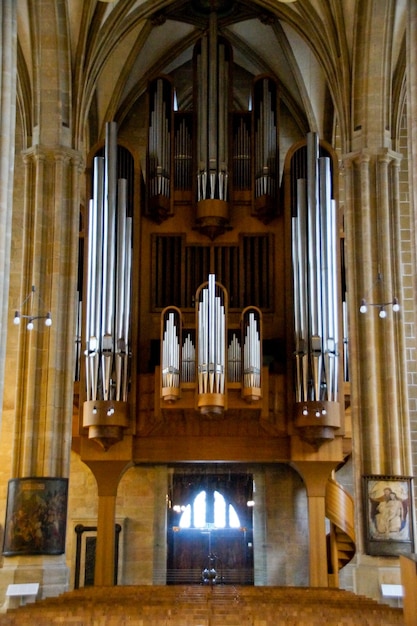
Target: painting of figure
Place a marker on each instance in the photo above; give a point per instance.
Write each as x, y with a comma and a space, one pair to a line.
36, 516
388, 520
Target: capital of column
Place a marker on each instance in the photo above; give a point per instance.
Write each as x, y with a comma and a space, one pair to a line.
351, 159
41, 152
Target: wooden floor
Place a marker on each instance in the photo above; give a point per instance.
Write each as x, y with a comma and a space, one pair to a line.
205, 606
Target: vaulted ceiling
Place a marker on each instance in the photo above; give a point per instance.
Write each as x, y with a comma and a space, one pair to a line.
112, 48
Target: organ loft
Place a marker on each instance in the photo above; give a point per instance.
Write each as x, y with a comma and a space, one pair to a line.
240, 335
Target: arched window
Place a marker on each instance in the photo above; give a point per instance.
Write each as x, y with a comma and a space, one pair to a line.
209, 509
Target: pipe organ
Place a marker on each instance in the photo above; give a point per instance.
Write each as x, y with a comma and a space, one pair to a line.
211, 359
107, 316
214, 152
316, 297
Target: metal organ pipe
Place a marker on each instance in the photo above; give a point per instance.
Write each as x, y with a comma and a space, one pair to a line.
108, 280
94, 279
126, 309
251, 353
122, 290
159, 142
234, 357
212, 99
314, 257
315, 274
332, 347
109, 230
329, 276
265, 142
211, 341
188, 360
183, 156
171, 352
213, 103
300, 262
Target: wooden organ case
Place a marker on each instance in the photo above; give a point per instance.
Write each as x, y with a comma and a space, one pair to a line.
219, 212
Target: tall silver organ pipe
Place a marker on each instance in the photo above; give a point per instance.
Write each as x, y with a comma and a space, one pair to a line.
171, 354
300, 262
252, 359
122, 308
242, 155
183, 155
108, 280
234, 360
188, 360
213, 105
211, 310
266, 152
315, 274
159, 140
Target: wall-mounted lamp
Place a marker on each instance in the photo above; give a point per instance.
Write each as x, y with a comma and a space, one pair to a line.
380, 305
382, 310
31, 317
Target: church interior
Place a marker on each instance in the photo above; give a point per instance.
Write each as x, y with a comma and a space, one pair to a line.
208, 371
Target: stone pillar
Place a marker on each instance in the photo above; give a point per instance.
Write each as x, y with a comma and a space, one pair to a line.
44, 391
8, 72
49, 241
379, 374
412, 100
379, 395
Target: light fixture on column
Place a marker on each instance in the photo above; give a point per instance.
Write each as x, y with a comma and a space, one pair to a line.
382, 306
31, 316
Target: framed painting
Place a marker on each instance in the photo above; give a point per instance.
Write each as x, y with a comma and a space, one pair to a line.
36, 516
388, 519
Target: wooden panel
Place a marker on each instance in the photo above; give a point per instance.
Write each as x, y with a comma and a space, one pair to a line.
217, 449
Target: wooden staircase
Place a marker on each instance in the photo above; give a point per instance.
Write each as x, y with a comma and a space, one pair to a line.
341, 539
201, 605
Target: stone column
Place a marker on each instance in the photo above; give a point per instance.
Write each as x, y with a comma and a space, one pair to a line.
379, 375
379, 395
44, 389
49, 241
8, 72
44, 392
412, 100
